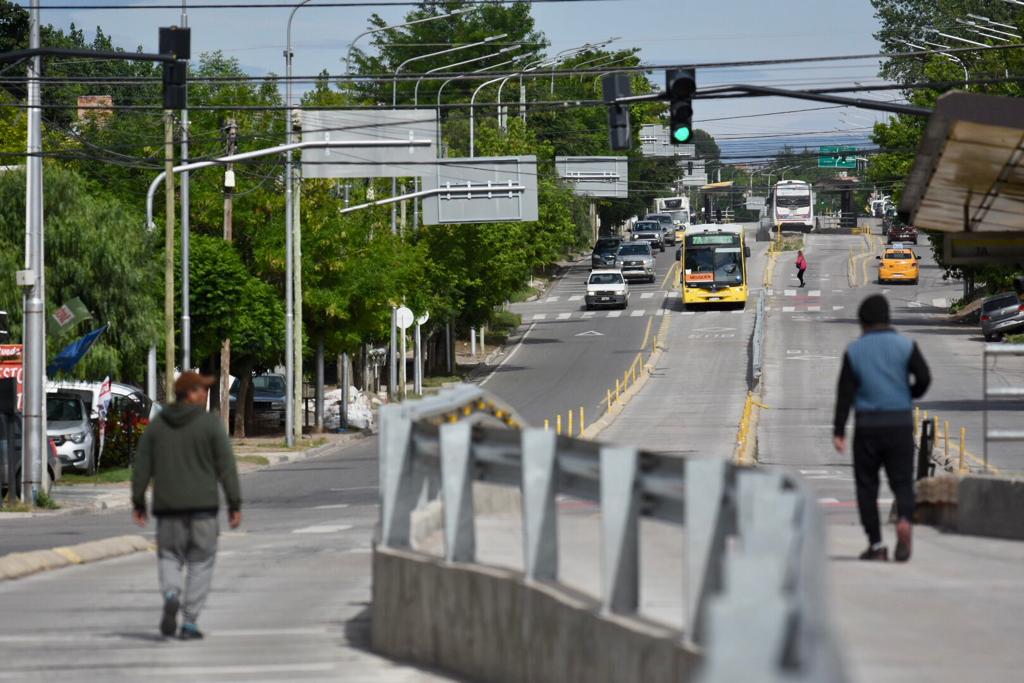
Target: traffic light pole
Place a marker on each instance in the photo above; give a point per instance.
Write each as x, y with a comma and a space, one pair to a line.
169, 257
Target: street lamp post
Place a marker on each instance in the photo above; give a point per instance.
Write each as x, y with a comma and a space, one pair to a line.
441, 90
351, 45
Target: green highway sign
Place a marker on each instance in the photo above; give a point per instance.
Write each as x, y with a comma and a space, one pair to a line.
837, 156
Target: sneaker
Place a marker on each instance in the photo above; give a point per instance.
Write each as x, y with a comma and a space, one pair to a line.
879, 554
904, 531
190, 631
169, 621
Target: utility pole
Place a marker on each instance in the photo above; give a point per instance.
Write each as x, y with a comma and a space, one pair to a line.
186, 316
225, 347
169, 257
300, 407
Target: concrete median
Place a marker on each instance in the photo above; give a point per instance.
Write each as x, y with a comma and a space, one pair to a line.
18, 565
973, 505
490, 624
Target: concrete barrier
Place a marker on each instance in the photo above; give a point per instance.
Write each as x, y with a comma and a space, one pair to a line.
973, 505
489, 624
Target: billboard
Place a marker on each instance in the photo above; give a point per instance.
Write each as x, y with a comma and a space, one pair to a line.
369, 124
481, 190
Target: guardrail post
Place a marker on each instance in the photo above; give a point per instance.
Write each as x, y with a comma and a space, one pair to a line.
620, 507
540, 522
457, 491
398, 485
706, 527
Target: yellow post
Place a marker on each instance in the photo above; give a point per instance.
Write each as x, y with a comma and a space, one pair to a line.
547, 425
917, 421
570, 424
625, 378
558, 424
582, 423
963, 440
608, 400
935, 429
945, 440
634, 373
617, 390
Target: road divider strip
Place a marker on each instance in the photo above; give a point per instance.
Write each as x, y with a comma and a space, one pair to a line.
18, 565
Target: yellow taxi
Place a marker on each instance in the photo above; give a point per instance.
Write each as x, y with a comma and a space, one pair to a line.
898, 264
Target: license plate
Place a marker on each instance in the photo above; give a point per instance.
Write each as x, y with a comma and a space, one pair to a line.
714, 298
604, 298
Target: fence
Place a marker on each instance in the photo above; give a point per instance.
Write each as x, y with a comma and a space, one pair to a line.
755, 566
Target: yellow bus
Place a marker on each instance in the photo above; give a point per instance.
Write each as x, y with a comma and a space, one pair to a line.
714, 265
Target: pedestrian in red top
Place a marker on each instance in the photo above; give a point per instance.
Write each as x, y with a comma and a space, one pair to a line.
801, 266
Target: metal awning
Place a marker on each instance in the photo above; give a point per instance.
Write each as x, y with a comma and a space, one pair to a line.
969, 172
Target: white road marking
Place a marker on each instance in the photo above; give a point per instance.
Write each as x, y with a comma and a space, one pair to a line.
813, 309
540, 316
660, 311
614, 314
588, 314
886, 291
770, 291
939, 303
637, 314
814, 292
689, 312
837, 291
511, 353
828, 501
788, 309
738, 311
647, 295
576, 297
209, 672
915, 304
590, 333
338, 506
322, 529
838, 308
564, 316
551, 300
790, 292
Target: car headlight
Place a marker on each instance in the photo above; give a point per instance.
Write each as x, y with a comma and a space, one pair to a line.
77, 437
277, 405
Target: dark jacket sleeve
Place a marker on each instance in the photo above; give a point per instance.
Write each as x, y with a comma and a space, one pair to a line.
227, 469
920, 372
845, 392
142, 470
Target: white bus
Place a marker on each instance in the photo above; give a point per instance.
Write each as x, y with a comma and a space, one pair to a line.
792, 205
677, 207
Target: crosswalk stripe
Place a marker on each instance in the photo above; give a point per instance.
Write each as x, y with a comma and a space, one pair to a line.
939, 303
637, 314
837, 308
647, 295
576, 297
614, 314
689, 312
738, 311
540, 316
551, 300
788, 309
814, 292
814, 309
588, 314
564, 316
659, 311
790, 292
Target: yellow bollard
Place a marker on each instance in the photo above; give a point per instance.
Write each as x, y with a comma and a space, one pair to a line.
617, 390
963, 447
582, 424
634, 373
608, 400
625, 379
558, 424
570, 424
547, 425
935, 429
945, 440
917, 421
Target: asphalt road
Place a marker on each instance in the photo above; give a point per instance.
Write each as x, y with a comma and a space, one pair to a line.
289, 601
565, 357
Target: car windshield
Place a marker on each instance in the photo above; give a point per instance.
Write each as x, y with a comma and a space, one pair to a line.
898, 255
646, 226
63, 409
659, 217
607, 245
269, 383
605, 279
1001, 302
724, 262
635, 250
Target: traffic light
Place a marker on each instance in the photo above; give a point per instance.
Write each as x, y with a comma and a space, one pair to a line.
680, 85
175, 41
612, 87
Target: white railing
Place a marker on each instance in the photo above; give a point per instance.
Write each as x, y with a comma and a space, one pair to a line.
755, 547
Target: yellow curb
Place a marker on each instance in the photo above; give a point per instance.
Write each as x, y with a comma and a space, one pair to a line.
68, 554
17, 565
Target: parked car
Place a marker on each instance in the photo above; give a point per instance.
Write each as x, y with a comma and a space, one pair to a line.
129, 405
898, 264
69, 426
1001, 314
53, 462
604, 252
668, 226
899, 232
650, 232
636, 260
268, 398
607, 288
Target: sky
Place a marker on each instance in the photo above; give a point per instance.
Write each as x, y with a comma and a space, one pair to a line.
667, 31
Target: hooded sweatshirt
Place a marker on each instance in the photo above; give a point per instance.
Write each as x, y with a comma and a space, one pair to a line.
185, 452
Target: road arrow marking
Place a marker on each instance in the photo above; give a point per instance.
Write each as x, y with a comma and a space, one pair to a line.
590, 333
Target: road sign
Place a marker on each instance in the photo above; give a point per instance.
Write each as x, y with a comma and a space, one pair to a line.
654, 142
982, 248
368, 124
837, 156
595, 176
403, 318
481, 190
422, 320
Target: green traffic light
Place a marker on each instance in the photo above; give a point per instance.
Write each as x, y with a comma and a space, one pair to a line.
681, 134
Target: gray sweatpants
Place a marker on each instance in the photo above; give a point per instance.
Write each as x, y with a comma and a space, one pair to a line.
187, 540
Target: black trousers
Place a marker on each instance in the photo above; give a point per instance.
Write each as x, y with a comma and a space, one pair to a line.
893, 449
800, 275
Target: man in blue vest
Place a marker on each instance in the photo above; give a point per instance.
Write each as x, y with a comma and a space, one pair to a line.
876, 381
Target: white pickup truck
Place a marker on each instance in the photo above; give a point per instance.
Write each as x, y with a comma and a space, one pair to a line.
607, 287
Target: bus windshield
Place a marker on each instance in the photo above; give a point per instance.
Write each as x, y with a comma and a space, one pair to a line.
713, 259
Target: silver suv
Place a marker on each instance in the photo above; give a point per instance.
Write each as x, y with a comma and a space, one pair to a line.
636, 261
69, 426
649, 231
1001, 314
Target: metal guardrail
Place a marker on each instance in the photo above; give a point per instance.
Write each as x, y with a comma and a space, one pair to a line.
755, 565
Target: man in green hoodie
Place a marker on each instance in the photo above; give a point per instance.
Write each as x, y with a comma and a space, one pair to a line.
185, 452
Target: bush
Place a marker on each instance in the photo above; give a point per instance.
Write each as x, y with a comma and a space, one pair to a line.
123, 432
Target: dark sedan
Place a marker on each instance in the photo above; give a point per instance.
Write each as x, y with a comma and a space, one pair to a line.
605, 251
